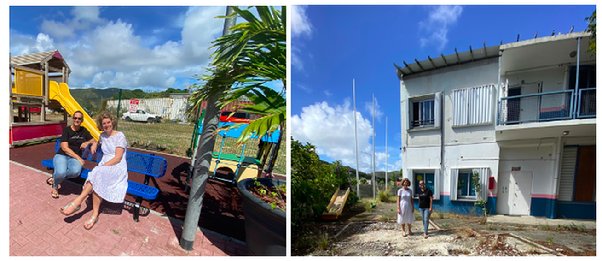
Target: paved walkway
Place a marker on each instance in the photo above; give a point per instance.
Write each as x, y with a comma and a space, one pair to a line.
540, 221
37, 228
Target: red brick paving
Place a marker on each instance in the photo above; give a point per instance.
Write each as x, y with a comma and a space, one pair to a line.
222, 210
37, 228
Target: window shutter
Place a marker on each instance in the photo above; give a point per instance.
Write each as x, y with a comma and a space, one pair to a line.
437, 185
453, 184
484, 176
437, 109
408, 120
460, 103
411, 177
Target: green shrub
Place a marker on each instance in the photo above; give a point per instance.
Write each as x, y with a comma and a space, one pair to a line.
313, 182
384, 196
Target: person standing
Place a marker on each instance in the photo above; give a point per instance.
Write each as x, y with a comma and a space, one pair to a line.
405, 207
425, 204
68, 160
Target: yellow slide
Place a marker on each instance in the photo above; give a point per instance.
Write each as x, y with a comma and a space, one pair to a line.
336, 205
60, 93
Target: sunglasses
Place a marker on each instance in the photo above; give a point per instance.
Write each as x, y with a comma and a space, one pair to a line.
77, 118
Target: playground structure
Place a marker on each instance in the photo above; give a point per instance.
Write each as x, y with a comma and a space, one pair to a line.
38, 82
234, 167
337, 203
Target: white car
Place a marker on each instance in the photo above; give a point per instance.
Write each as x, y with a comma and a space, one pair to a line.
141, 115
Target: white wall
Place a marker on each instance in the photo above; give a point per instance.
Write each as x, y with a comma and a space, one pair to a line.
444, 80
471, 156
538, 158
167, 108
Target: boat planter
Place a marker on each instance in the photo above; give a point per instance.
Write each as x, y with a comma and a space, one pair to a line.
265, 227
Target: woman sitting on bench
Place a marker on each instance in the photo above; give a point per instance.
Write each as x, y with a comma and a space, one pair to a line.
68, 160
108, 180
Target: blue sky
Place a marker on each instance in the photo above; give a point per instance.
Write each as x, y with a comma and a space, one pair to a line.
152, 48
331, 45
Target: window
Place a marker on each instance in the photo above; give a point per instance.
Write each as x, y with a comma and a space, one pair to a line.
424, 111
430, 177
463, 186
466, 185
473, 106
587, 76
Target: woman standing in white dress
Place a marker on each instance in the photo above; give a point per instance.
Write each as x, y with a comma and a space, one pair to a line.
405, 207
108, 180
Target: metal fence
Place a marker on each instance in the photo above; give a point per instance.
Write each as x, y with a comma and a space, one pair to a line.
548, 106
366, 190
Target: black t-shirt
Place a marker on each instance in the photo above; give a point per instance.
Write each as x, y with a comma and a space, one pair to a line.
424, 198
74, 139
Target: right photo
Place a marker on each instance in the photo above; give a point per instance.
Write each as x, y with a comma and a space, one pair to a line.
443, 130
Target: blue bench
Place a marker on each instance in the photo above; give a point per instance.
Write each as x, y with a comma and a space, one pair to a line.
151, 166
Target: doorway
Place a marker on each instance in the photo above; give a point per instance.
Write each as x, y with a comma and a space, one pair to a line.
515, 193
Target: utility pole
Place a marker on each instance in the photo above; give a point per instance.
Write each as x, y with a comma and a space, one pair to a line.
357, 160
203, 158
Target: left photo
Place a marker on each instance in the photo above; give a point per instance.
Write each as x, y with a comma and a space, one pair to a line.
147, 131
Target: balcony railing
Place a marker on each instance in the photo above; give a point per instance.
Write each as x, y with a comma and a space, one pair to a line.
548, 106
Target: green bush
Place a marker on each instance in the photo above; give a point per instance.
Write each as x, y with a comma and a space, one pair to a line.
383, 196
313, 182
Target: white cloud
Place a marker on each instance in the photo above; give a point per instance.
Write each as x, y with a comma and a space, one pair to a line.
436, 26
84, 17
300, 27
300, 24
331, 130
30, 44
103, 53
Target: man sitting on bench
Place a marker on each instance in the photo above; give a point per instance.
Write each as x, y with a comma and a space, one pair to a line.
68, 161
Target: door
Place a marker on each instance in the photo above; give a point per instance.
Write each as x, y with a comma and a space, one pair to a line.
513, 106
585, 178
519, 192
503, 203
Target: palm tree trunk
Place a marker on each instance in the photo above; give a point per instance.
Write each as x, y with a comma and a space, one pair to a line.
200, 174
204, 155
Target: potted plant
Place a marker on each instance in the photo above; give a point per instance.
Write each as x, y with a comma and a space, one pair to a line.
264, 203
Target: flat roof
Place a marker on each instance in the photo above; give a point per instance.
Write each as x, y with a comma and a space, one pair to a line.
486, 52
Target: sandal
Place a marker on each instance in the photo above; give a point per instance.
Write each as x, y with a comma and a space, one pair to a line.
90, 223
54, 193
50, 181
70, 204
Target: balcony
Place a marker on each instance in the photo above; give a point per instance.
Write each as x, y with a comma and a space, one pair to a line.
547, 106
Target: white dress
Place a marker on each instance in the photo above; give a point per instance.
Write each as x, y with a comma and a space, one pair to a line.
110, 182
406, 215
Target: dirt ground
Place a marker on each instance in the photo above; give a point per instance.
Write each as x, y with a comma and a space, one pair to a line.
374, 232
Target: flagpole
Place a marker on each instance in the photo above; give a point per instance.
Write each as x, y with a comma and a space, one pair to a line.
386, 154
357, 160
373, 149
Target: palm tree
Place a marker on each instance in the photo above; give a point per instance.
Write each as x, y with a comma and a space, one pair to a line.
250, 57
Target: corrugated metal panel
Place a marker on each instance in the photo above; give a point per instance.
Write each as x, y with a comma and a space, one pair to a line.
567, 174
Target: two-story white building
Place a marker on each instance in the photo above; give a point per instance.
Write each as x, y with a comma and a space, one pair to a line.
519, 116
